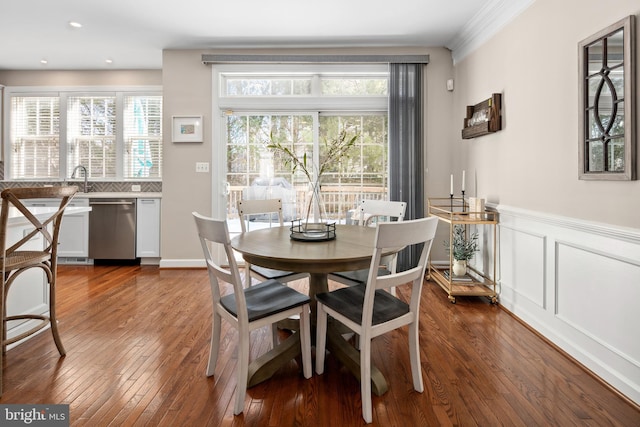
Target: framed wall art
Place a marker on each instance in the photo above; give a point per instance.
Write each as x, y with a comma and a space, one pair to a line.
607, 144
186, 129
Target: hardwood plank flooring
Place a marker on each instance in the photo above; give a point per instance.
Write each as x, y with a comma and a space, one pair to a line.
137, 341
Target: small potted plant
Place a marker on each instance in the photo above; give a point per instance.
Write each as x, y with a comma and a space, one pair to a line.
463, 249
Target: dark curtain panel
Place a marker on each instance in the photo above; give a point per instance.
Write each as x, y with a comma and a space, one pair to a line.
406, 151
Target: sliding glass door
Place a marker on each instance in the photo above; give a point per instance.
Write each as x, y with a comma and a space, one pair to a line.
300, 106
254, 171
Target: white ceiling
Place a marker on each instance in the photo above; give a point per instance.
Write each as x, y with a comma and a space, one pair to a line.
133, 33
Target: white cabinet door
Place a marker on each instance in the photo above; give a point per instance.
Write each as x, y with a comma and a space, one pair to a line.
30, 292
73, 240
148, 228
74, 232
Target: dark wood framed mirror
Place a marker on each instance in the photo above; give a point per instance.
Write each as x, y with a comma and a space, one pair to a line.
607, 138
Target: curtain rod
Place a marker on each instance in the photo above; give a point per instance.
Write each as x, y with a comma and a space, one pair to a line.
353, 59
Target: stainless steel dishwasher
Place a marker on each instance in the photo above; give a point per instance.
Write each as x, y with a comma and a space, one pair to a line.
112, 229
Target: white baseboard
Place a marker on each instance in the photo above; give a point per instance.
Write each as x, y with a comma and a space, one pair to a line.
182, 263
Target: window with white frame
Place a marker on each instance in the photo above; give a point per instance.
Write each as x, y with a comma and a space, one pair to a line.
142, 137
115, 135
302, 106
35, 137
91, 135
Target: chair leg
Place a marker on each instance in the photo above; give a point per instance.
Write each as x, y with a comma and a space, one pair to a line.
247, 275
2, 335
274, 335
4, 320
52, 317
414, 355
215, 344
305, 341
243, 370
365, 379
321, 337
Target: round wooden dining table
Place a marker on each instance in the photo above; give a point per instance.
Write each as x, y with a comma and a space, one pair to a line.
273, 248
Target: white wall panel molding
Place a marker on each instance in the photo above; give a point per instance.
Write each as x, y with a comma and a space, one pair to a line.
526, 257
583, 272
577, 283
631, 235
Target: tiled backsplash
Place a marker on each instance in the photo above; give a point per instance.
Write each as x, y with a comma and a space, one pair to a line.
96, 187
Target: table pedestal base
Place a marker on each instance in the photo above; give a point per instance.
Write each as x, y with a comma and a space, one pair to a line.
266, 365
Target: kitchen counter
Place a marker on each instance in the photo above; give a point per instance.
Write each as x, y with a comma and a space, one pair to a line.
41, 212
118, 195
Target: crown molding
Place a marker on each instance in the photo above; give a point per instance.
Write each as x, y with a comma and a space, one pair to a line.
485, 24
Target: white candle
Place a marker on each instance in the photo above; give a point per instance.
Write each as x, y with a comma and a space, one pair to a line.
463, 174
451, 191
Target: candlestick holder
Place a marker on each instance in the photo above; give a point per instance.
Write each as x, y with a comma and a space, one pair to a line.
451, 201
463, 207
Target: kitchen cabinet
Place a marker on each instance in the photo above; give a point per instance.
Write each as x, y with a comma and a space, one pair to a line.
30, 291
74, 231
148, 228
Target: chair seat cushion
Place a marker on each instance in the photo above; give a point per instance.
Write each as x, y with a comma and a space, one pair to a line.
270, 273
359, 276
265, 299
20, 259
349, 302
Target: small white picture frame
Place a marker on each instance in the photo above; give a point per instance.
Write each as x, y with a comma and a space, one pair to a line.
186, 129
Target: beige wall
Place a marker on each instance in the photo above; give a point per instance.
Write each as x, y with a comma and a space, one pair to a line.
533, 162
187, 90
81, 78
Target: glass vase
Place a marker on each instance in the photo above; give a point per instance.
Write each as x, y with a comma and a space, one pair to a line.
315, 211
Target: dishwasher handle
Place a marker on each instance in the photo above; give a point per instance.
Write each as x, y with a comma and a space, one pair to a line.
110, 203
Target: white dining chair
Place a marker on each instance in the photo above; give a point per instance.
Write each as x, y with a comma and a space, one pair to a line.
371, 212
247, 309
265, 212
370, 311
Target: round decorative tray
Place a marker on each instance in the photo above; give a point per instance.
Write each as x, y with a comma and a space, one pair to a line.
313, 231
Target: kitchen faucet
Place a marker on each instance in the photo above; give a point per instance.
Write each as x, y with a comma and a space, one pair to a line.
73, 176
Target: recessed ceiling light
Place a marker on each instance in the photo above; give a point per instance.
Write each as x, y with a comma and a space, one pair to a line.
108, 61
44, 61
74, 24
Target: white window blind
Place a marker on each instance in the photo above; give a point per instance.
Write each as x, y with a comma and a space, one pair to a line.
116, 135
34, 137
143, 136
91, 135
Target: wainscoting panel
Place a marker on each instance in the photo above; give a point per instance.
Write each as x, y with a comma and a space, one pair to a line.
589, 289
578, 284
522, 264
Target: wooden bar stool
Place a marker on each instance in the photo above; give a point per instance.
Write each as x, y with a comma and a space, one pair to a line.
17, 258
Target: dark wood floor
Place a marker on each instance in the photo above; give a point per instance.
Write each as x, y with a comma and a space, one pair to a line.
137, 347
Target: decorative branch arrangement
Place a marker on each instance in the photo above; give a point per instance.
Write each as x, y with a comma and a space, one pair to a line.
335, 150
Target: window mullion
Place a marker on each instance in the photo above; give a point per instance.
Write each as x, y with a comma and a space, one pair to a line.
64, 146
119, 137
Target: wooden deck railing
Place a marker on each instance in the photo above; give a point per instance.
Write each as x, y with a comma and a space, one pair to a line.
338, 201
